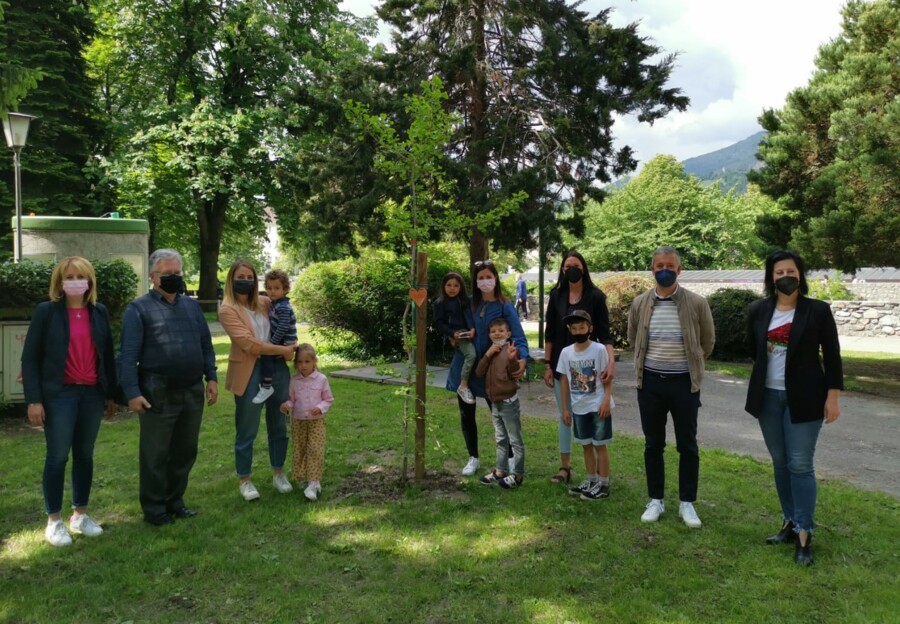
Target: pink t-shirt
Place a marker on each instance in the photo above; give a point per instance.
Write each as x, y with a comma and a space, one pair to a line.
308, 392
81, 363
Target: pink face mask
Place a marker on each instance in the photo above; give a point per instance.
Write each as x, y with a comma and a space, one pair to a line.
75, 287
486, 285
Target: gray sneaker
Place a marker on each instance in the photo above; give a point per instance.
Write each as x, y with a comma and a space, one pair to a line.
56, 533
84, 525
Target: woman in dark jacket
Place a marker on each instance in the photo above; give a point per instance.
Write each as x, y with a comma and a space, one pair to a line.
791, 390
574, 290
69, 377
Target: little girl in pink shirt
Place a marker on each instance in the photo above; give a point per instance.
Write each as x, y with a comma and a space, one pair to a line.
309, 397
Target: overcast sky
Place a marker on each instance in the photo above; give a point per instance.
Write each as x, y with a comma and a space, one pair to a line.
734, 59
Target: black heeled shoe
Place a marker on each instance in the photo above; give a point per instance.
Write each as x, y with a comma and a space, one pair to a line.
784, 536
803, 554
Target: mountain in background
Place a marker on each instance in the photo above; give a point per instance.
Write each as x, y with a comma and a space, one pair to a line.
728, 166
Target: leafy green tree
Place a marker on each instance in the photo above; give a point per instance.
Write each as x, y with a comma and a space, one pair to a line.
44, 74
537, 85
831, 156
663, 205
205, 95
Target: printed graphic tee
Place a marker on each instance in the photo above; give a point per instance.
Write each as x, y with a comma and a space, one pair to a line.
776, 343
582, 371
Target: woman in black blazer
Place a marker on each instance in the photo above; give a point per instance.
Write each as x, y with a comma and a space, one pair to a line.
69, 377
792, 390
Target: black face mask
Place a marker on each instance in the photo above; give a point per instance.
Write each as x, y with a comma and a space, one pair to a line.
787, 285
580, 338
172, 284
243, 287
573, 274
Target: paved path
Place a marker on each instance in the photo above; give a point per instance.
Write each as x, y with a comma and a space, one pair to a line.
862, 447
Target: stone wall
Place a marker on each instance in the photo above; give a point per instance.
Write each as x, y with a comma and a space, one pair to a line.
853, 318
867, 318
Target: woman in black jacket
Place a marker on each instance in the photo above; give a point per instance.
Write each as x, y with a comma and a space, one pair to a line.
791, 390
574, 290
69, 378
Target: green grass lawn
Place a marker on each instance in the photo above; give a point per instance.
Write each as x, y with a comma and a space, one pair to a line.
449, 551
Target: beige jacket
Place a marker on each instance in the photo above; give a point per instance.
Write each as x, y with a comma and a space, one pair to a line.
697, 329
245, 346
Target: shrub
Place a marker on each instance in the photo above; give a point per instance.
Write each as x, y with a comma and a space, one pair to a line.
116, 287
832, 290
729, 311
24, 285
366, 297
620, 292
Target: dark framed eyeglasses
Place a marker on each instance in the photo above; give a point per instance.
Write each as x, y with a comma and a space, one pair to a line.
483, 263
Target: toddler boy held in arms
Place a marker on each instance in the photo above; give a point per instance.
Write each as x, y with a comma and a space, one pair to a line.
282, 328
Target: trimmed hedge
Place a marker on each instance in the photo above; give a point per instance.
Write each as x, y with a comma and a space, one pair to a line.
620, 292
729, 311
366, 297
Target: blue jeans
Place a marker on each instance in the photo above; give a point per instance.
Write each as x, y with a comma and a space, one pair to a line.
72, 421
508, 433
247, 416
792, 447
565, 431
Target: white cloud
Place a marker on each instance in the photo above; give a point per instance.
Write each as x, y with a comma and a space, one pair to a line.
735, 59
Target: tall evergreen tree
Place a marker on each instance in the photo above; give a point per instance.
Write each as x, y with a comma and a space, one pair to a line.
832, 155
538, 84
46, 38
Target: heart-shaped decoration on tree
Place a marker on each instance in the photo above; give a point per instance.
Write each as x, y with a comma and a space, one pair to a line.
418, 295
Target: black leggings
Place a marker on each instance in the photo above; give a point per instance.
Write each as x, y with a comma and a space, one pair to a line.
470, 426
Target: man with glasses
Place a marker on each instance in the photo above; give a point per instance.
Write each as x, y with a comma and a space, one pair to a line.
166, 353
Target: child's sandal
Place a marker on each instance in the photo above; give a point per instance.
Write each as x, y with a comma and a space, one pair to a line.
559, 477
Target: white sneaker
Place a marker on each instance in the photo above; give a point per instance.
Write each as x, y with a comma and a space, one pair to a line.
263, 394
249, 491
471, 467
687, 513
84, 525
56, 533
312, 491
466, 395
281, 483
655, 508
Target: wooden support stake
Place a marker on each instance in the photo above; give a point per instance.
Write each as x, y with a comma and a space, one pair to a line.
421, 364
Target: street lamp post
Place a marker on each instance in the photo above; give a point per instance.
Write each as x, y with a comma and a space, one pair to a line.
15, 126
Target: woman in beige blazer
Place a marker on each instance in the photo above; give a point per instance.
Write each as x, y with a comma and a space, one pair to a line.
245, 316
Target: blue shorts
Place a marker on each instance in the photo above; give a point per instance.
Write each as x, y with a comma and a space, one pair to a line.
590, 429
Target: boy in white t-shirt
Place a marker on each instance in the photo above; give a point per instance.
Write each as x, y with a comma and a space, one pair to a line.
580, 365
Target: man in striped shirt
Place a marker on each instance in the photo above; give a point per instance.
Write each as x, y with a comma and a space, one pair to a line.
672, 332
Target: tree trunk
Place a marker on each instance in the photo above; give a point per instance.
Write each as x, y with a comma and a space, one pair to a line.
478, 155
211, 221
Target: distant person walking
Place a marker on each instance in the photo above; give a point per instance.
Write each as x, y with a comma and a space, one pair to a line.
792, 390
521, 297
672, 332
69, 376
166, 353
